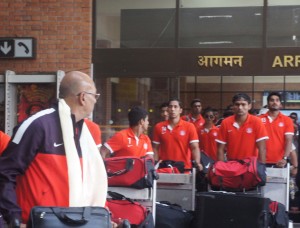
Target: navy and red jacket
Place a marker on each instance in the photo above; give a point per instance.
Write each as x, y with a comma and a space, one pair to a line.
33, 168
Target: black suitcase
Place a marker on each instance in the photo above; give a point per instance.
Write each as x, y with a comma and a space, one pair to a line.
222, 210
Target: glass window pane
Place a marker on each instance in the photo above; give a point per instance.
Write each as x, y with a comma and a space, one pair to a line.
237, 84
208, 83
135, 23
263, 85
283, 23
214, 23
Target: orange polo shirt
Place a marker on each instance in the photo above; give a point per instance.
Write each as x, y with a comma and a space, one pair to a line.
241, 141
207, 141
197, 122
125, 143
4, 140
95, 131
174, 144
277, 130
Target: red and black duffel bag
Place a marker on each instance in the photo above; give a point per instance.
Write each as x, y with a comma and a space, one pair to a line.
237, 175
122, 207
131, 172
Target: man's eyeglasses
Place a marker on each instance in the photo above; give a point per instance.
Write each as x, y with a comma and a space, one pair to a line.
209, 116
96, 95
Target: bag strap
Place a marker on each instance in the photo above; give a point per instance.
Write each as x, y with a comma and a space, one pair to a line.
65, 218
118, 196
128, 167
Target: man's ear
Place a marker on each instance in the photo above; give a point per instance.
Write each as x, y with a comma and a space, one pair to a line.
250, 106
81, 98
141, 121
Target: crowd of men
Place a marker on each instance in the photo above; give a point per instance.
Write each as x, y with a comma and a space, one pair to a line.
53, 156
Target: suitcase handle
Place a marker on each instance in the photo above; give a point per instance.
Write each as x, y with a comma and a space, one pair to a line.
67, 219
128, 167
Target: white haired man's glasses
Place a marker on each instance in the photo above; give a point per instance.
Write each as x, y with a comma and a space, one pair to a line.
96, 95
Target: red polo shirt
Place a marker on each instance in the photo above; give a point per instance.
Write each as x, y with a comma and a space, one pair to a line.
95, 131
241, 141
197, 122
174, 144
125, 143
277, 130
4, 140
207, 141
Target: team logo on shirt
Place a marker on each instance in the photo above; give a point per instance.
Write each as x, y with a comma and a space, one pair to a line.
182, 133
145, 146
215, 134
129, 142
264, 120
281, 124
249, 130
163, 130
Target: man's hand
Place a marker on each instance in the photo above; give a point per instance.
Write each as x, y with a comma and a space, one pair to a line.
294, 171
199, 167
281, 163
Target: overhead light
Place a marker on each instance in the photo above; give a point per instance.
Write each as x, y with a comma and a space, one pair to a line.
216, 42
215, 16
257, 14
294, 37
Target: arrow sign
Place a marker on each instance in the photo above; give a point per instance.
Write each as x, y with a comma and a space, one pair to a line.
6, 48
17, 47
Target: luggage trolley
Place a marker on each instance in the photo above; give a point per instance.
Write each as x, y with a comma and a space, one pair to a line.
146, 196
277, 185
177, 188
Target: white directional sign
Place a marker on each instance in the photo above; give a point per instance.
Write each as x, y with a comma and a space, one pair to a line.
17, 47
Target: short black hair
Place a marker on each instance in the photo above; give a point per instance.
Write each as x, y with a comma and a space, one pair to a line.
208, 109
195, 101
241, 96
175, 99
136, 114
165, 104
277, 94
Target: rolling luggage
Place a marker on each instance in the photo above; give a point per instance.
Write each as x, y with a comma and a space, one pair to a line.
222, 209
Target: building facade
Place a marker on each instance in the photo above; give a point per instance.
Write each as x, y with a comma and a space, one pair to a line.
143, 52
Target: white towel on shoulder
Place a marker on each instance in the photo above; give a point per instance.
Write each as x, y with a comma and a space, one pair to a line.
87, 183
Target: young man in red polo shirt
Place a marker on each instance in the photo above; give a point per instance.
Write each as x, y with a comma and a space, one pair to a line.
131, 141
176, 139
280, 129
195, 116
208, 134
243, 135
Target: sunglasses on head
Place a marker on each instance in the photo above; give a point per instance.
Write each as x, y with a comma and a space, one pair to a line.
209, 116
